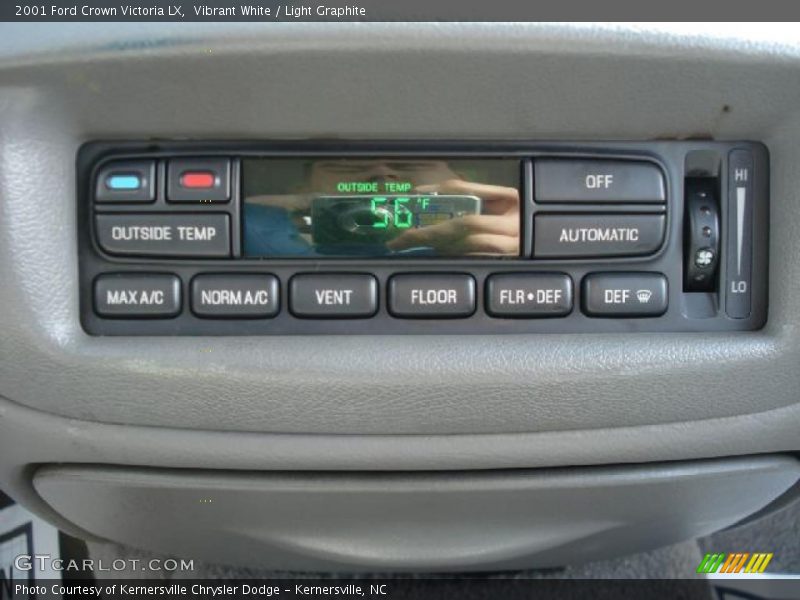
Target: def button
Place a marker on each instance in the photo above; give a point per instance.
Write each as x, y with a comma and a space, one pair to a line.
625, 294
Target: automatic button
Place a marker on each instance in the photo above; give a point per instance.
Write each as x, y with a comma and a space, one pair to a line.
520, 295
137, 295
333, 295
432, 295
180, 235
625, 294
245, 296
592, 236
561, 180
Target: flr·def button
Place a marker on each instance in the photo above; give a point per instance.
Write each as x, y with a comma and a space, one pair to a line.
528, 295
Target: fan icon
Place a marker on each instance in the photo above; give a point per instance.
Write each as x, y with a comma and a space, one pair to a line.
644, 296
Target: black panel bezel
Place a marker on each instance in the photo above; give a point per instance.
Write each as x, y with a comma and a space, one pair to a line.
669, 156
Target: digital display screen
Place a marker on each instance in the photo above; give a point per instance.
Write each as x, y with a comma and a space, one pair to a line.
381, 207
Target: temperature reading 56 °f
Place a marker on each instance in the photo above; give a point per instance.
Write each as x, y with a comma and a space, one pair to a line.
399, 215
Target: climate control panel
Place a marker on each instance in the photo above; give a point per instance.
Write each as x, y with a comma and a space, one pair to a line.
202, 238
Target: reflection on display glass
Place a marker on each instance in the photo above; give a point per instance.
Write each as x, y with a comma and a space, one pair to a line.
381, 207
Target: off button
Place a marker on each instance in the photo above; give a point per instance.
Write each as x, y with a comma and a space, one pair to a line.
432, 295
566, 180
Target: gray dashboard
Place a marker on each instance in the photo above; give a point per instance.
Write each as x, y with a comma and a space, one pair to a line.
344, 403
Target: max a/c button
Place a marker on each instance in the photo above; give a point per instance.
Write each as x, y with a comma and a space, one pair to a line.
137, 295
625, 294
432, 295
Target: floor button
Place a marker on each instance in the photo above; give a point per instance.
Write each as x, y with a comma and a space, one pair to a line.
432, 295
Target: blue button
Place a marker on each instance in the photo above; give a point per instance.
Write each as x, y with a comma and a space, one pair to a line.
126, 181
123, 182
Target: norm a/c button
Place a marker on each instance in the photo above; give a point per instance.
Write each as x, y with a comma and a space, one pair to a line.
241, 296
432, 295
333, 296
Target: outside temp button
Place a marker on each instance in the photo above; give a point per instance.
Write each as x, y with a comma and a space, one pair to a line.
164, 234
333, 295
432, 295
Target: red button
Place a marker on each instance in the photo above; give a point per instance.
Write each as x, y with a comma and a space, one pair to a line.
197, 180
